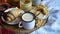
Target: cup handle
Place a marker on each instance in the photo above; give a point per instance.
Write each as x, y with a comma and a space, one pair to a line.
20, 25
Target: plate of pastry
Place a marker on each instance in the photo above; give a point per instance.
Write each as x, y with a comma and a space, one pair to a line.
11, 16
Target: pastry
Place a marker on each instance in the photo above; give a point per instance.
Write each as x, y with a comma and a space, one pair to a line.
39, 23
11, 15
43, 12
43, 9
37, 13
15, 12
8, 19
40, 16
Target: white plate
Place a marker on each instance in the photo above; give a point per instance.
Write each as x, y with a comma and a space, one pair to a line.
16, 21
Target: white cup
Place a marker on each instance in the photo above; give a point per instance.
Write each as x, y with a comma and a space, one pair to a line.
27, 23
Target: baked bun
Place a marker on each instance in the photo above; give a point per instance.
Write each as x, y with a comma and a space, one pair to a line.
40, 16
15, 12
42, 9
11, 15
42, 12
8, 19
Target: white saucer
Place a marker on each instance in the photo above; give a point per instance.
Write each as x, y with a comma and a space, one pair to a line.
16, 21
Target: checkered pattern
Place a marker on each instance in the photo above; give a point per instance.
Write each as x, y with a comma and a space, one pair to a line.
4, 30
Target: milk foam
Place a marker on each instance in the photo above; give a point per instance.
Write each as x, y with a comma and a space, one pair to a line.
27, 17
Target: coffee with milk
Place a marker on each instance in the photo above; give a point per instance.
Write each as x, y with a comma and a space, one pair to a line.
27, 17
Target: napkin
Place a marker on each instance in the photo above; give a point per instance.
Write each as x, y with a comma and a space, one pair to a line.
53, 24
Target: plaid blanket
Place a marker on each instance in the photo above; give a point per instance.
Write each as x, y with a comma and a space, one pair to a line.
4, 30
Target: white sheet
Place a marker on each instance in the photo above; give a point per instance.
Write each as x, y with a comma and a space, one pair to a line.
53, 24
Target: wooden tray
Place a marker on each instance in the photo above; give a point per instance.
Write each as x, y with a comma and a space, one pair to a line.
22, 30
18, 30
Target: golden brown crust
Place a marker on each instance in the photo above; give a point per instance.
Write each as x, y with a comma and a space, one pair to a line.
43, 9
11, 16
37, 13
39, 23
15, 12
40, 16
8, 19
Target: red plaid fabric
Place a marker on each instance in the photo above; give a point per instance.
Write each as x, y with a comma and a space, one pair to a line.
4, 30
0, 31
2, 1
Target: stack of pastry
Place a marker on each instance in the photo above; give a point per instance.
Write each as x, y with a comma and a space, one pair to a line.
40, 12
43, 9
11, 15
42, 15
